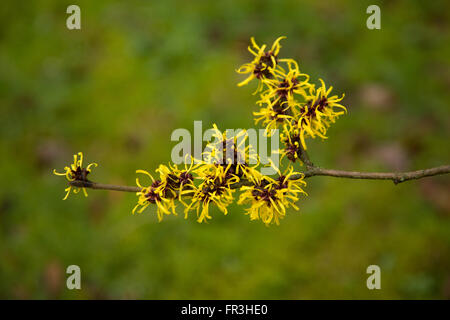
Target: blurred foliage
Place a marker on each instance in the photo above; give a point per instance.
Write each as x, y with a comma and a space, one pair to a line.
137, 70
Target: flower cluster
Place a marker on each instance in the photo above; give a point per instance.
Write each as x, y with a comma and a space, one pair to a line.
205, 182
270, 197
288, 100
228, 165
213, 181
76, 172
173, 183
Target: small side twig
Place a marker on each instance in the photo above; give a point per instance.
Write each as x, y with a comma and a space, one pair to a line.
304, 157
102, 186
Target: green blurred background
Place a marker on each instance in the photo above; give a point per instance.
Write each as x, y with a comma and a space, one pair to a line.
137, 70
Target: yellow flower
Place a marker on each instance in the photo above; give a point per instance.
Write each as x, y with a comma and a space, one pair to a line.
180, 180
263, 64
292, 139
76, 172
286, 85
157, 193
214, 188
173, 183
270, 198
273, 115
319, 112
232, 152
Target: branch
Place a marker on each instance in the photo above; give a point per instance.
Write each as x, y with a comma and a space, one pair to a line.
396, 177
